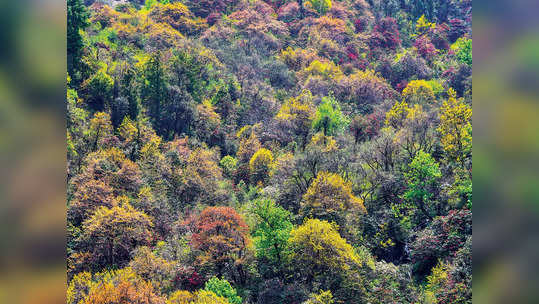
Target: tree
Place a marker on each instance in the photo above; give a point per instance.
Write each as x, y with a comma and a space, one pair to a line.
116, 286
443, 237
422, 178
221, 236
364, 89
208, 297
323, 297
396, 116
107, 174
112, 168
260, 165
463, 50
423, 26
329, 198
229, 165
358, 128
222, 288
248, 146
153, 89
153, 268
329, 118
77, 20
320, 6
98, 89
418, 92
111, 233
199, 297
455, 128
297, 114
207, 122
89, 196
100, 130
178, 16
180, 297
271, 232
198, 181
385, 34
180, 112
319, 252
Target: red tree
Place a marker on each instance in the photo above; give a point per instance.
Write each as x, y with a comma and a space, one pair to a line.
385, 34
221, 235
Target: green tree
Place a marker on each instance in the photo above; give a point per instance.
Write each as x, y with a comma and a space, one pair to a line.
98, 89
229, 165
422, 177
271, 231
222, 288
463, 50
153, 89
329, 118
77, 20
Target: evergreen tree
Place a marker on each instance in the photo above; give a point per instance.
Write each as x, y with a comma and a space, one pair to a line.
77, 20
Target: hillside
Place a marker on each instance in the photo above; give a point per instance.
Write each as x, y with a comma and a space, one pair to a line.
276, 151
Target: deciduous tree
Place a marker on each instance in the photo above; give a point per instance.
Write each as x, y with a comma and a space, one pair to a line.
221, 236
260, 165
456, 128
319, 250
329, 198
329, 118
112, 233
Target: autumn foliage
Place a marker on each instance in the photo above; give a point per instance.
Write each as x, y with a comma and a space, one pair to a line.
269, 151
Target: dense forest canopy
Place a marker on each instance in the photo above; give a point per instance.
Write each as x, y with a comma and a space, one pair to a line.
269, 151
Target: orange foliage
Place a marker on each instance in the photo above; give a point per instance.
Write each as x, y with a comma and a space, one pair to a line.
221, 235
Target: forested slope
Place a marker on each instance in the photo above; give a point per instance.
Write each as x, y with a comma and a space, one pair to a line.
277, 151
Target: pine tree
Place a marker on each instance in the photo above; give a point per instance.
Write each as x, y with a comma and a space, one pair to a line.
77, 20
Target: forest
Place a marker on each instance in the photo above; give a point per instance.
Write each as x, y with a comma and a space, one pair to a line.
269, 151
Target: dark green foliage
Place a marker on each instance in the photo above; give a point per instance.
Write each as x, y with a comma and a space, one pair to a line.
77, 20
153, 89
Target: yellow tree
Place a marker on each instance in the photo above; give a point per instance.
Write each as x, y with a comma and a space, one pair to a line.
396, 116
100, 129
412, 126
297, 113
200, 297
320, 6
112, 233
117, 286
455, 128
260, 165
418, 92
318, 251
324, 297
329, 197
